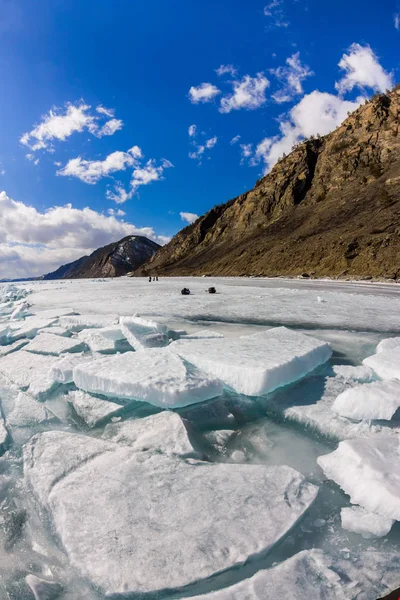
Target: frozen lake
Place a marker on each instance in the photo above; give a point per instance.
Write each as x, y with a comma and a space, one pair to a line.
104, 494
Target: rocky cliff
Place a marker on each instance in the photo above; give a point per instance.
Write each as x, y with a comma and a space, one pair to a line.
113, 260
331, 207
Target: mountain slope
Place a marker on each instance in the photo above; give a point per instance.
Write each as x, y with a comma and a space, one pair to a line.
113, 260
332, 207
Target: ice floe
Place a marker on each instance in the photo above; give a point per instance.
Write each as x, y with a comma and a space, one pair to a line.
23, 368
27, 412
368, 471
376, 400
62, 370
256, 364
214, 516
45, 343
153, 375
164, 432
142, 333
101, 340
315, 575
368, 524
386, 363
92, 410
79, 322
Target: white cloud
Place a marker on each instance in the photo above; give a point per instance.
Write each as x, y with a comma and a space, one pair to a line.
108, 112
316, 113
205, 92
119, 195
192, 130
246, 151
60, 123
2, 170
397, 21
248, 93
150, 172
91, 171
226, 69
363, 70
292, 76
235, 139
188, 217
57, 163
275, 10
116, 212
110, 127
211, 142
33, 243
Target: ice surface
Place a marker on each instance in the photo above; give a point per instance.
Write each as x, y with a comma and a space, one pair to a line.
377, 400
153, 375
45, 343
142, 333
388, 344
43, 589
361, 373
256, 364
386, 363
62, 369
3, 435
57, 330
20, 311
41, 387
92, 410
164, 432
27, 412
368, 524
79, 322
28, 328
315, 575
367, 470
214, 516
25, 367
4, 350
202, 335
101, 340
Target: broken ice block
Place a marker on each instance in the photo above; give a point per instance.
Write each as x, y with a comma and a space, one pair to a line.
371, 401
368, 524
142, 333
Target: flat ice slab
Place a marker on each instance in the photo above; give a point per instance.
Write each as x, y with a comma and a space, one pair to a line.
92, 410
377, 400
368, 470
24, 367
142, 333
314, 575
153, 375
79, 322
165, 432
214, 516
27, 412
368, 524
386, 364
256, 364
101, 340
388, 344
45, 343
62, 370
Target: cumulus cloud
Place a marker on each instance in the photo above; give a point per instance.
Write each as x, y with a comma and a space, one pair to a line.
199, 149
192, 130
226, 70
276, 12
317, 113
60, 123
248, 93
34, 242
116, 212
292, 76
246, 152
91, 171
141, 175
205, 92
363, 70
188, 217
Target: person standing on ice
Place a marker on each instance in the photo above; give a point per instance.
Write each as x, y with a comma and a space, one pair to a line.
150, 278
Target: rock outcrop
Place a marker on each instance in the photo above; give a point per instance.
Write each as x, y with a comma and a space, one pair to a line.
330, 208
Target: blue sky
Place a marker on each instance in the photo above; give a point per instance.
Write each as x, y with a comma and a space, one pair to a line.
98, 98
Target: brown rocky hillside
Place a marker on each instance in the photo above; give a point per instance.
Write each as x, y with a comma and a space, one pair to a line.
332, 207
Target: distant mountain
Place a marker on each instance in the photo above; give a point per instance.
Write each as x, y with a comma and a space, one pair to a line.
113, 260
331, 207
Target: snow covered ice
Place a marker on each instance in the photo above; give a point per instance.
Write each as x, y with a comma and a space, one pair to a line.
368, 524
376, 400
153, 375
257, 364
368, 471
93, 495
129, 471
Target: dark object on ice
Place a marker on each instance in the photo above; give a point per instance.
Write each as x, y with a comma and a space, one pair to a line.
305, 275
185, 292
156, 278
150, 278
212, 290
